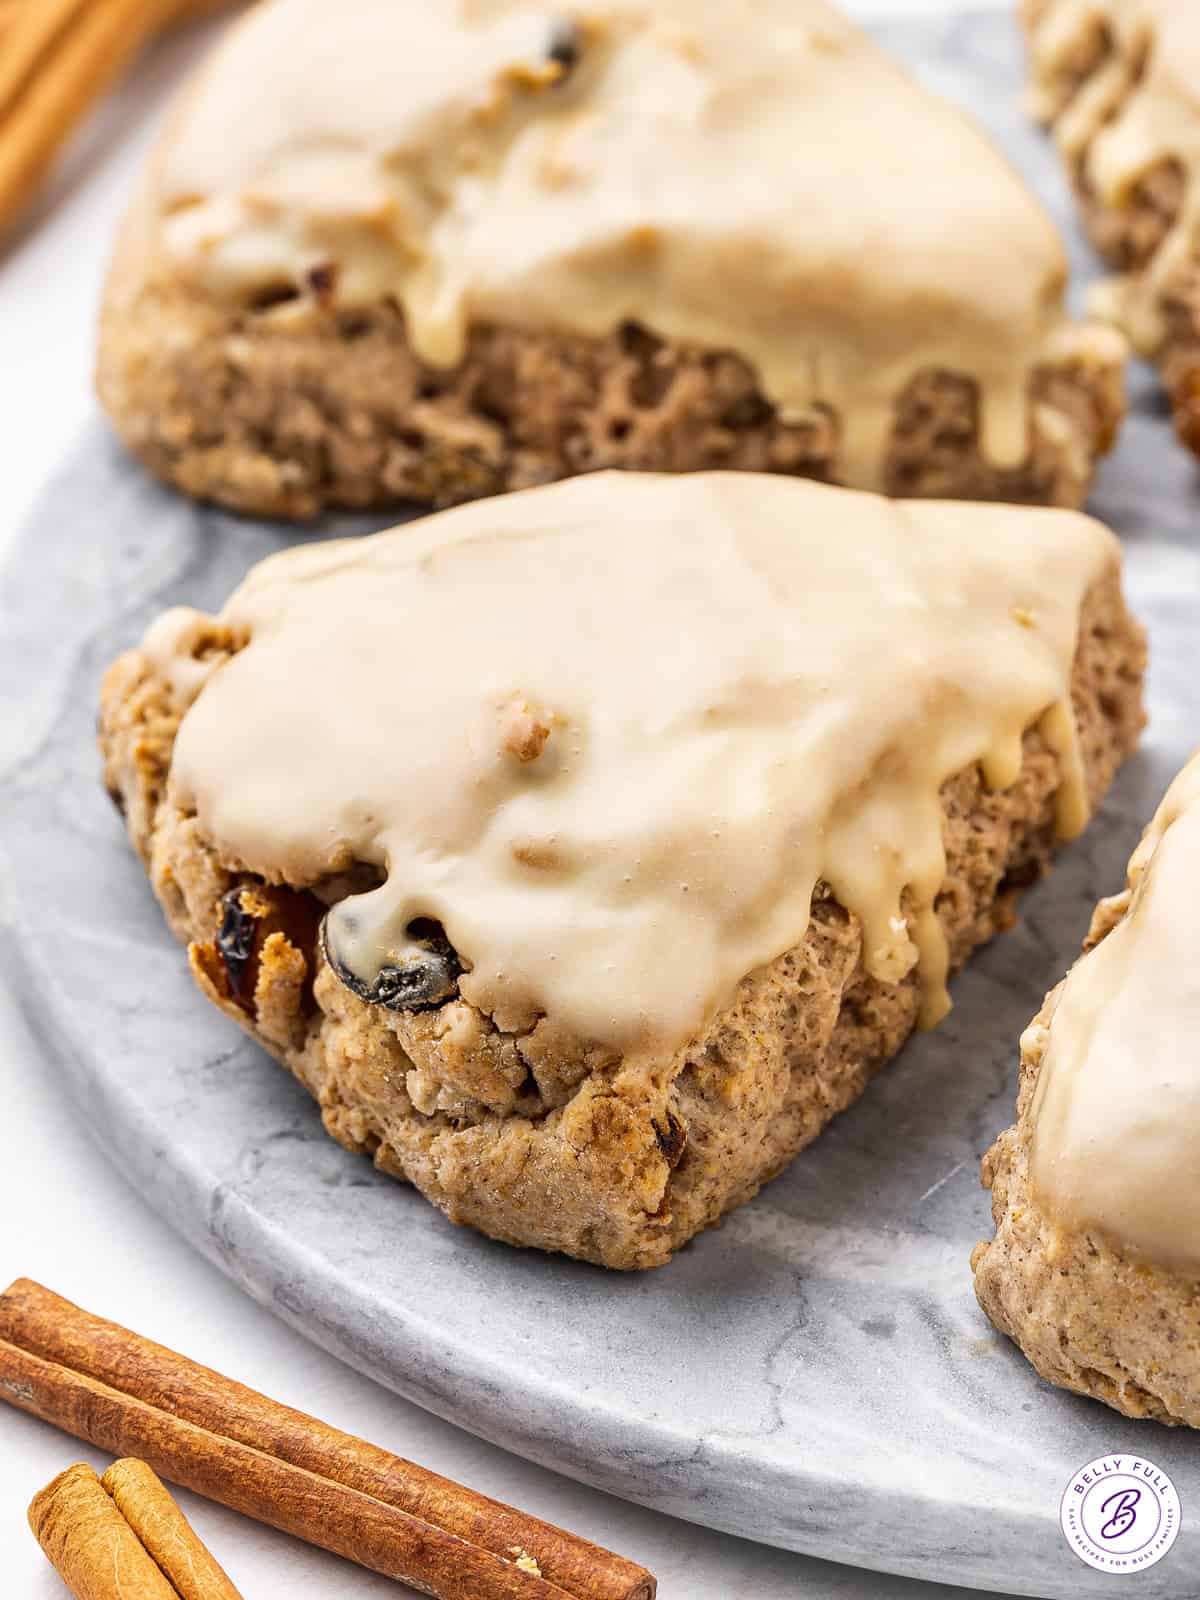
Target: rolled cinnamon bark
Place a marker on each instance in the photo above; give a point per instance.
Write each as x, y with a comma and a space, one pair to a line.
165, 1533
225, 1441
89, 1543
60, 57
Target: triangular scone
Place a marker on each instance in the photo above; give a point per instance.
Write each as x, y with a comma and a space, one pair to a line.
1096, 1261
395, 249
1119, 81
626, 825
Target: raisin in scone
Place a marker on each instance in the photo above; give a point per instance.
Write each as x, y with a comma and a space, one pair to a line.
397, 250
1119, 83
1095, 1267
585, 850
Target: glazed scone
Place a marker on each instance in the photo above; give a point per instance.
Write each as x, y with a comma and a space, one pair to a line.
654, 234
1119, 83
585, 850
1095, 1267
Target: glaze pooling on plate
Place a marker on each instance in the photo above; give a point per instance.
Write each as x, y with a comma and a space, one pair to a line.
610, 734
746, 175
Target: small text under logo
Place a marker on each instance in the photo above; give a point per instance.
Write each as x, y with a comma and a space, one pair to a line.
1120, 1513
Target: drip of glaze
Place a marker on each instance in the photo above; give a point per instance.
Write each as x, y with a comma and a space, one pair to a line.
710, 169
611, 734
1139, 110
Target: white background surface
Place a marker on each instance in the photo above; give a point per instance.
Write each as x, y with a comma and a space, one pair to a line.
68, 1219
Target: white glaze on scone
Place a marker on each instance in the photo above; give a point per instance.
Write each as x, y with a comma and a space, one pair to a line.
615, 825
1116, 1112
745, 175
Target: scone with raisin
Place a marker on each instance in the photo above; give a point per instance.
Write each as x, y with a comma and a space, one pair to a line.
394, 250
585, 850
1095, 1267
1119, 83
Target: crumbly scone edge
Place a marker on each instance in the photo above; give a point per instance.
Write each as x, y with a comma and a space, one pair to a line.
286, 410
527, 1137
1129, 237
1086, 1316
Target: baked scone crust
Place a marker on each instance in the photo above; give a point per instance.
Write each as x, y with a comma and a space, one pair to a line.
283, 398
1129, 236
1086, 1316
1089, 1313
517, 1135
286, 421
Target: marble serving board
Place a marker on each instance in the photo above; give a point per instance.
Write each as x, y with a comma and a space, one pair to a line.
815, 1374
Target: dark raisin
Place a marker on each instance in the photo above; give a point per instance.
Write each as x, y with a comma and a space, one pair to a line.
235, 939
250, 914
425, 981
565, 44
635, 341
672, 1139
322, 280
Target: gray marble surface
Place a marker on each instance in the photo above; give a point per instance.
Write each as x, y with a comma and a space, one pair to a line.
814, 1375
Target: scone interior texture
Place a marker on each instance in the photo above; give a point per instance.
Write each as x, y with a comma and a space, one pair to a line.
687, 234
1096, 1261
1119, 81
585, 850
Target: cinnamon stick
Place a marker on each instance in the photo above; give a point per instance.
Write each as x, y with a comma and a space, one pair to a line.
89, 1543
8, 10
165, 1533
57, 57
199, 1429
29, 46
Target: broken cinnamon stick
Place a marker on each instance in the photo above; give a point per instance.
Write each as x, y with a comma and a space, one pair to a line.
133, 1397
165, 1533
89, 1543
